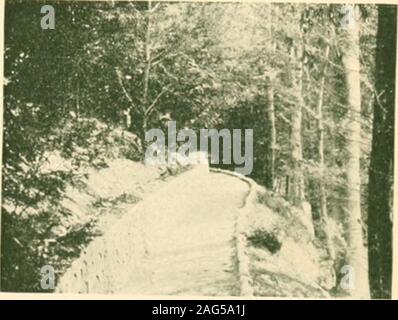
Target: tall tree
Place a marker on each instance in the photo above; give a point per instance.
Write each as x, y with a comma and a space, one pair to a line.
148, 62
382, 157
270, 123
296, 179
356, 251
322, 189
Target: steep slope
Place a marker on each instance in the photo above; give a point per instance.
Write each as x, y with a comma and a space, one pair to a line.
202, 234
177, 240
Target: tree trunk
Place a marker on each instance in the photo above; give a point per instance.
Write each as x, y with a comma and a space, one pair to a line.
145, 98
270, 123
382, 155
322, 191
357, 258
296, 180
271, 143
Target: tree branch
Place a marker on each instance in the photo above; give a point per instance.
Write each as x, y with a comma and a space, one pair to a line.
132, 5
120, 80
152, 10
150, 108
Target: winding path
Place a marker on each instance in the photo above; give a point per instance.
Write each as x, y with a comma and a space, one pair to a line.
188, 226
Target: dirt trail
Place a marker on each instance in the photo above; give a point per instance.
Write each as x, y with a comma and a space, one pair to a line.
188, 226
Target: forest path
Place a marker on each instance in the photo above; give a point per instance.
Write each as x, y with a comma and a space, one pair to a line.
189, 228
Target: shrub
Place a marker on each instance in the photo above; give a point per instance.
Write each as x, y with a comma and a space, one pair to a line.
262, 238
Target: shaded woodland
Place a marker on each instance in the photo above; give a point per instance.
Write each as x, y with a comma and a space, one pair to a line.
317, 89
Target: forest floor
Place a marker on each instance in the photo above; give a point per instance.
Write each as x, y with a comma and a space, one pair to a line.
189, 229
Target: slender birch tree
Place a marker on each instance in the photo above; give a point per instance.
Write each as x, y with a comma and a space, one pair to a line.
357, 257
322, 189
270, 124
296, 179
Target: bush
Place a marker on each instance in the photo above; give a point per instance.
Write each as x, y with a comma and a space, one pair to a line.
37, 229
262, 238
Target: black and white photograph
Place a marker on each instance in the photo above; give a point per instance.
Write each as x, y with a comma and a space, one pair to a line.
198, 149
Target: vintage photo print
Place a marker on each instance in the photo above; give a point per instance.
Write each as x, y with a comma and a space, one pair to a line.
198, 149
